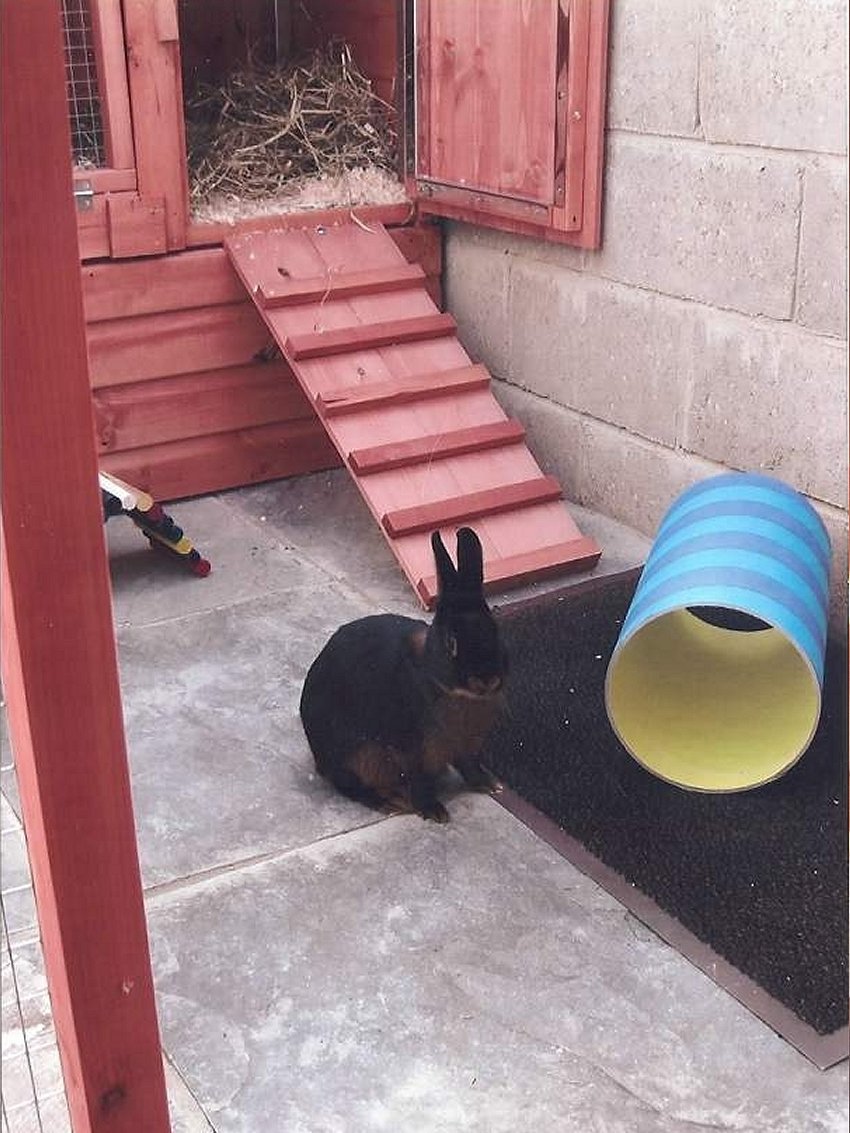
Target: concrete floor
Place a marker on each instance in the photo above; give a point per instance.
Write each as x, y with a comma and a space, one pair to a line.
321, 969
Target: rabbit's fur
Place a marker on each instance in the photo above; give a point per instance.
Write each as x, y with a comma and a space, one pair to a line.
390, 701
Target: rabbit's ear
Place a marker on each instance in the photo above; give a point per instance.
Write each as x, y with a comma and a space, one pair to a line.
470, 560
446, 573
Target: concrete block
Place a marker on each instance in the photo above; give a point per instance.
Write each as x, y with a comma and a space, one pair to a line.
462, 236
493, 989
603, 467
653, 68
690, 220
774, 399
822, 276
635, 481
476, 289
618, 353
554, 435
835, 521
775, 74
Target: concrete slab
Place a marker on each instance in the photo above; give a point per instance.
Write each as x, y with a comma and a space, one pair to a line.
220, 768
414, 977
325, 519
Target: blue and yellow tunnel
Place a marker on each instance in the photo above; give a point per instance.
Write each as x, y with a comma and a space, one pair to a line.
715, 681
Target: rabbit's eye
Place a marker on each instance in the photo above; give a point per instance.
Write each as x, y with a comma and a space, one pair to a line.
451, 645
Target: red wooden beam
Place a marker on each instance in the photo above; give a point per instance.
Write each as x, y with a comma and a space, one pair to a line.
367, 336
58, 645
472, 505
400, 391
437, 446
340, 285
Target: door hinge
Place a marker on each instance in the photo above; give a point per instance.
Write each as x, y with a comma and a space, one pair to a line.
83, 195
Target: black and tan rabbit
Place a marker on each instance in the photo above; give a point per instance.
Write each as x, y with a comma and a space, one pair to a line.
390, 701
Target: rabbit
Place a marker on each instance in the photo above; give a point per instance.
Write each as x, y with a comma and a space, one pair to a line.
390, 701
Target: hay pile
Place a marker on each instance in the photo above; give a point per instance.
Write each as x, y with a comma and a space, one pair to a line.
273, 137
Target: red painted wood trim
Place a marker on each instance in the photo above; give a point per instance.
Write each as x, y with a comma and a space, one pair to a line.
472, 505
136, 226
367, 336
576, 126
106, 180
200, 233
489, 204
108, 36
58, 644
531, 566
340, 285
438, 446
580, 143
156, 104
590, 235
421, 244
371, 395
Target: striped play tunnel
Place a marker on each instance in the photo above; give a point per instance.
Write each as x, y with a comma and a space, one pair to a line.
715, 681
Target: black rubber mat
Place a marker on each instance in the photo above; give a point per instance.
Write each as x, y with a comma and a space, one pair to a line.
760, 876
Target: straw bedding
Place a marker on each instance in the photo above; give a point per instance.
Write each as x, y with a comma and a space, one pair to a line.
311, 133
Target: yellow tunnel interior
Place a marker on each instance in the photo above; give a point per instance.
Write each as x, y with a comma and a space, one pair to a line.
708, 708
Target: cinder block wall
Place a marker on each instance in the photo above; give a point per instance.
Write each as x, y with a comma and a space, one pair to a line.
710, 331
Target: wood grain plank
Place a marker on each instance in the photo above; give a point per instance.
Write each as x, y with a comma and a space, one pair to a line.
156, 102
577, 71
193, 405
136, 225
339, 286
489, 85
344, 340
175, 342
420, 244
368, 26
436, 446
106, 180
398, 391
108, 36
505, 497
196, 465
59, 669
176, 282
528, 566
201, 233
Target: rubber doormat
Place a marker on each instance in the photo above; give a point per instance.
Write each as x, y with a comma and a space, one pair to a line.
751, 887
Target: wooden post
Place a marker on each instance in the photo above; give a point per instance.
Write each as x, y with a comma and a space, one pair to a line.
58, 647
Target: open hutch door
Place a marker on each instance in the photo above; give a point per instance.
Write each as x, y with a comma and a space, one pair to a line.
508, 113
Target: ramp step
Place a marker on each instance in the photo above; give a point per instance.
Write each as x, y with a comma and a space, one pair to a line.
530, 566
367, 336
399, 391
437, 446
471, 505
336, 285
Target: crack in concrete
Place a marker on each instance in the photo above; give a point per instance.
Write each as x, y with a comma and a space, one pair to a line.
158, 893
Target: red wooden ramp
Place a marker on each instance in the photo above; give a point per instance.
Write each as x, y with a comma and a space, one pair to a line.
414, 420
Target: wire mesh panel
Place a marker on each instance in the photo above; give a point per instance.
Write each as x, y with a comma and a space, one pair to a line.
84, 111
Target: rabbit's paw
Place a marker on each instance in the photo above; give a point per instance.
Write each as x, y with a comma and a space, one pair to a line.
435, 811
474, 775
